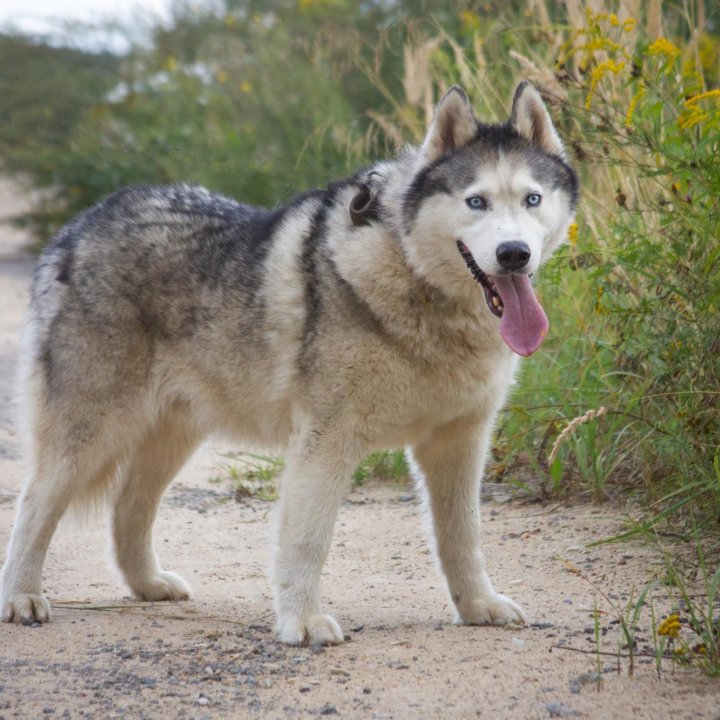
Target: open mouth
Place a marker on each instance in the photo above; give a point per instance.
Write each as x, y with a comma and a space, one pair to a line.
491, 294
510, 296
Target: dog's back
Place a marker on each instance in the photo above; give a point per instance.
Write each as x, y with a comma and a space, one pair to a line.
138, 263
141, 301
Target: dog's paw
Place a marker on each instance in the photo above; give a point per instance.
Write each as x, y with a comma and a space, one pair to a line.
25, 609
312, 630
495, 609
163, 586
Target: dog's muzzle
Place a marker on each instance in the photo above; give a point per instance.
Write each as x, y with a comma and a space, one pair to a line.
510, 296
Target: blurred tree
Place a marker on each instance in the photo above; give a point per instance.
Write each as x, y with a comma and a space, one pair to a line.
44, 92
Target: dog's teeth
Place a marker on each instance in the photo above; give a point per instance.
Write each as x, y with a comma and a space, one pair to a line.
496, 301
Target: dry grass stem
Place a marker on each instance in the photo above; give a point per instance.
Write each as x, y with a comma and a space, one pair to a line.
543, 77
575, 422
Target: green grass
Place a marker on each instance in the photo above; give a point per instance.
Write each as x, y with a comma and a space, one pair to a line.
255, 476
387, 466
252, 475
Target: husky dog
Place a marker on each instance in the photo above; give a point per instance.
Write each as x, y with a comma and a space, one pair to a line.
387, 310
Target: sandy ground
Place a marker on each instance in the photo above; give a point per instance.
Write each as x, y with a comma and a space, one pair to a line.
107, 656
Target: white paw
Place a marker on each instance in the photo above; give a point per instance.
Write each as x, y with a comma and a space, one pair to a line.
312, 630
495, 609
25, 609
163, 586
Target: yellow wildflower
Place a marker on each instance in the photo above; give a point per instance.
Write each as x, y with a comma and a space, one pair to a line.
692, 116
221, 76
600, 43
604, 68
599, 308
633, 104
470, 20
599, 72
629, 25
670, 626
702, 96
572, 235
662, 46
596, 18
246, 86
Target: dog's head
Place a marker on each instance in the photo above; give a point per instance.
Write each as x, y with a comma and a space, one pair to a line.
487, 206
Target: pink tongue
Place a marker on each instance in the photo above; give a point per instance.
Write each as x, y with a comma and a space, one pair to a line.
524, 323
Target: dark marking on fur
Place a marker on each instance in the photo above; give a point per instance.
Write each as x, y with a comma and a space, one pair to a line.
311, 273
426, 183
64, 267
362, 312
554, 171
45, 358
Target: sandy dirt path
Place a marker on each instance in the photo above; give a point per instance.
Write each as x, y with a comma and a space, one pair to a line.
107, 656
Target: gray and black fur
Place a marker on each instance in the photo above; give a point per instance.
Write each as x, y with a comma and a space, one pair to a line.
341, 323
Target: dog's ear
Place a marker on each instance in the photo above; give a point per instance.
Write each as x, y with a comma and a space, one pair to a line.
531, 119
454, 125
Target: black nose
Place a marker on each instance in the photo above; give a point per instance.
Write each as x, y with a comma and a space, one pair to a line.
513, 255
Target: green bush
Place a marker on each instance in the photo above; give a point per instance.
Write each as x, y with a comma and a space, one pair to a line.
642, 272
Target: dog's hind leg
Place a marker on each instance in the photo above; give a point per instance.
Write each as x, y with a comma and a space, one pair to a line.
143, 478
58, 477
42, 503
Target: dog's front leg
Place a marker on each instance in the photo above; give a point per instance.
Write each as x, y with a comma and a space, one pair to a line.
316, 478
451, 465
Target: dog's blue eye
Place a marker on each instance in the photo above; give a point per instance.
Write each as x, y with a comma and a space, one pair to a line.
533, 199
476, 202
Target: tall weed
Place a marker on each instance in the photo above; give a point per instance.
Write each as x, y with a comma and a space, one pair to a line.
642, 111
